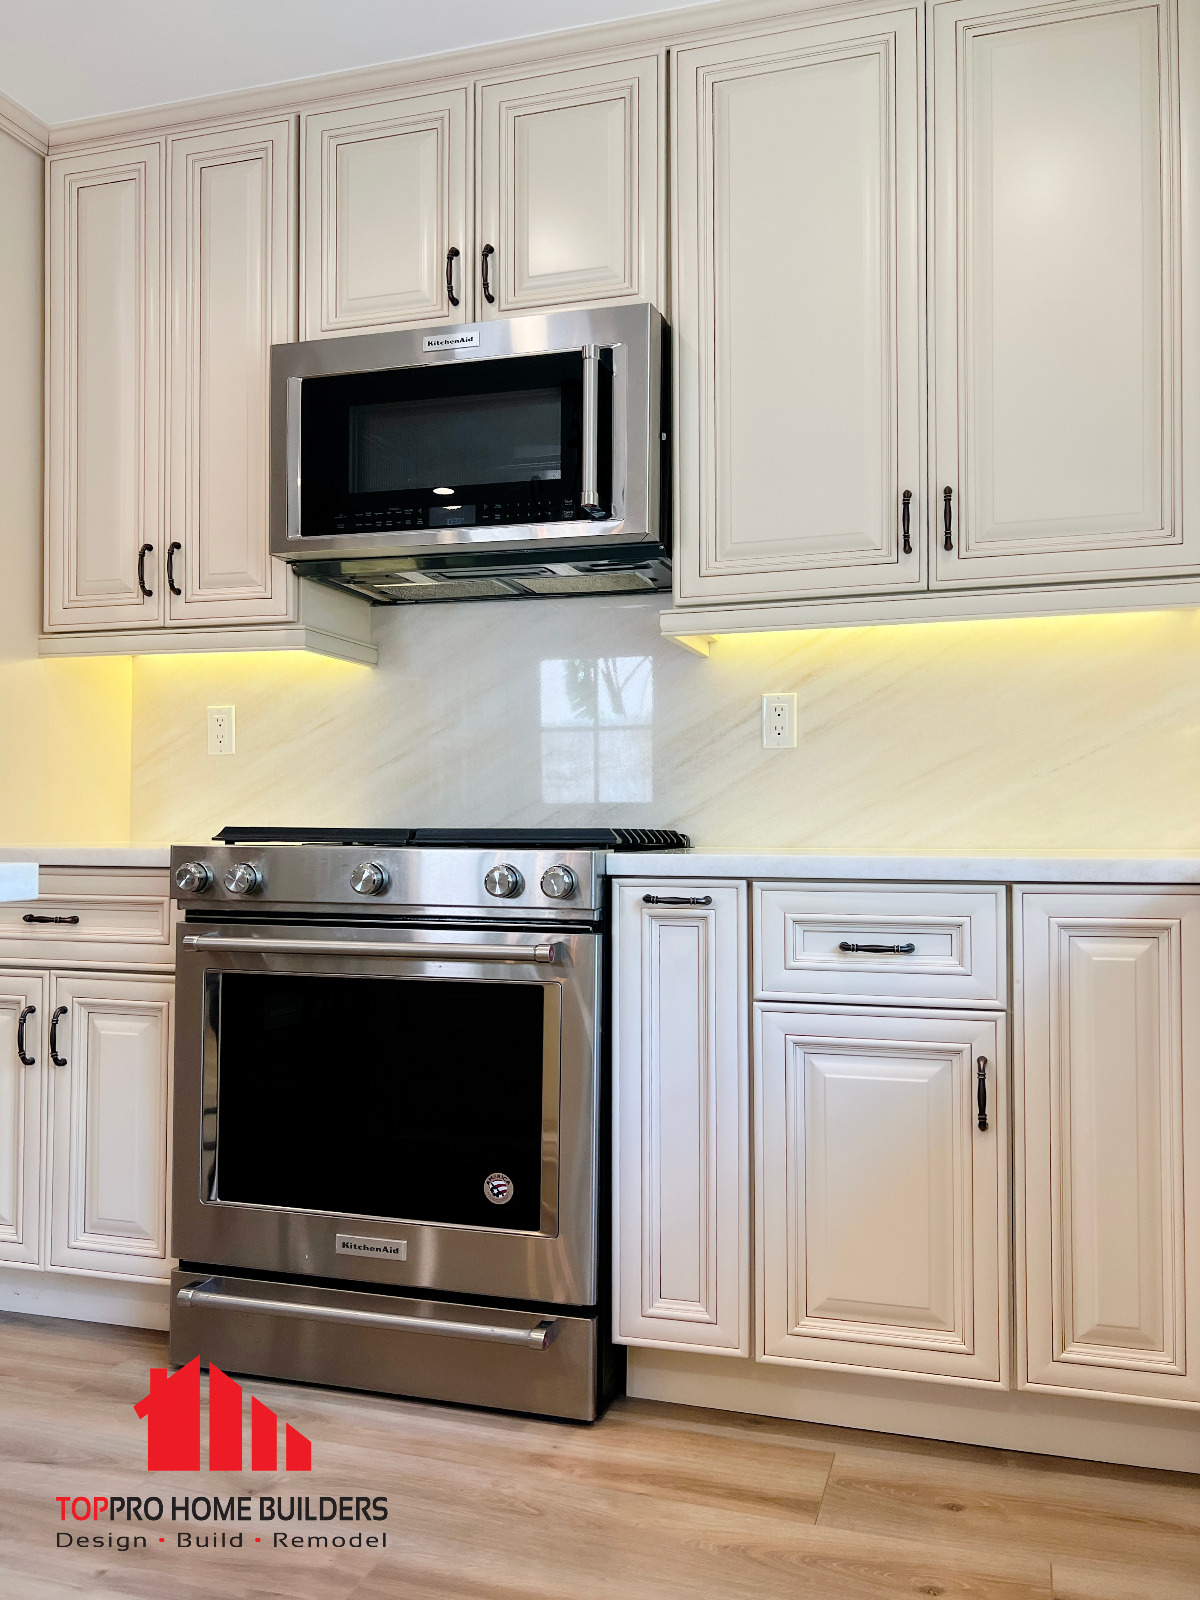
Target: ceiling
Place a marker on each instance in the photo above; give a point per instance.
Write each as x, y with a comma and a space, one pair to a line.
64, 59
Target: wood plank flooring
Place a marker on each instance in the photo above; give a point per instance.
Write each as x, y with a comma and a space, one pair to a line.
655, 1502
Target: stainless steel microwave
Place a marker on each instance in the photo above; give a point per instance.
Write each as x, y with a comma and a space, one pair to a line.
491, 460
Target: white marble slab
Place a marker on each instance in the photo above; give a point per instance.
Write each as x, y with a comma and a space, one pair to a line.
975, 868
88, 855
18, 880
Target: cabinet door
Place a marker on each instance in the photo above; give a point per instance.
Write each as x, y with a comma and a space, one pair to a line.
798, 309
681, 1117
1108, 1142
385, 196
1055, 282
232, 288
22, 1031
108, 1145
881, 1205
569, 185
104, 440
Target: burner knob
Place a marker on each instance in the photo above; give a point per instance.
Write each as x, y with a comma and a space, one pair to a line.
192, 877
368, 877
504, 882
559, 882
243, 879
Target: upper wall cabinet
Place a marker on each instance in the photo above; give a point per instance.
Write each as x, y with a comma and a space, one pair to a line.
1055, 280
105, 358
569, 177
386, 214
798, 311
233, 294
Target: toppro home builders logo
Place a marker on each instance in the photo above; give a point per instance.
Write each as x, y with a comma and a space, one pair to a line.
174, 1418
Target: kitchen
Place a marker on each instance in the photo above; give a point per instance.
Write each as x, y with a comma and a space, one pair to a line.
893, 1066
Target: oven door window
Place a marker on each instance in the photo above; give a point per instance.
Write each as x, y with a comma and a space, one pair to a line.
422, 1100
468, 444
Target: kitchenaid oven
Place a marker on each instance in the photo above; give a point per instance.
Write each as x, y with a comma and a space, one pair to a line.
398, 1096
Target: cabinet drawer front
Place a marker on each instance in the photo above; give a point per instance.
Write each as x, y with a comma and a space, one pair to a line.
929, 943
122, 916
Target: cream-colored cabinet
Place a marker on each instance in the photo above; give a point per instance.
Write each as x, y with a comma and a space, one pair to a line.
386, 214
22, 1057
233, 294
1108, 1142
681, 1177
1055, 292
104, 446
109, 1084
569, 171
798, 310
881, 1191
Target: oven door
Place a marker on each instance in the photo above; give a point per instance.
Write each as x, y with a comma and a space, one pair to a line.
395, 1105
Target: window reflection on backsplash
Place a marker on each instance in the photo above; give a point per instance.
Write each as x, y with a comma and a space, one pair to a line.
596, 729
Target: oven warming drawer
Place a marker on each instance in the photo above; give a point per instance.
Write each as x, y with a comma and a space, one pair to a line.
546, 1363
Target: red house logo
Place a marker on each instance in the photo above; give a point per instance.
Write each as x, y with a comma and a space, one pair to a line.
172, 1410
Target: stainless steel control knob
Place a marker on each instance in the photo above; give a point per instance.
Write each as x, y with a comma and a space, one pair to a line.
368, 877
193, 877
504, 882
559, 882
243, 878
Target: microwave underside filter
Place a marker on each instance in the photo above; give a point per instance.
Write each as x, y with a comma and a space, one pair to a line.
557, 579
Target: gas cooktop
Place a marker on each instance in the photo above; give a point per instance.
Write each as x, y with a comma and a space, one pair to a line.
468, 838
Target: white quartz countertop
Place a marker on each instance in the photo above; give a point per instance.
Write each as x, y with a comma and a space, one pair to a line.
18, 880
1090, 867
87, 855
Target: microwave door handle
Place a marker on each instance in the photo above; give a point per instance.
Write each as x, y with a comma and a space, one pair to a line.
589, 497
543, 954
293, 457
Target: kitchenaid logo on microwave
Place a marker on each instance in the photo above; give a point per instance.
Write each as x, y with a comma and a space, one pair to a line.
359, 1244
450, 341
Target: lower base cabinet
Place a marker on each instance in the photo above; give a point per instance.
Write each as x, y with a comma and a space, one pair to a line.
881, 1208
84, 1086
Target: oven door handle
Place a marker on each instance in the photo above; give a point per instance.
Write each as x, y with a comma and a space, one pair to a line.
544, 954
536, 1338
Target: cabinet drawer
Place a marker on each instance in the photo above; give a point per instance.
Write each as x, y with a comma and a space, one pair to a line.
113, 917
942, 944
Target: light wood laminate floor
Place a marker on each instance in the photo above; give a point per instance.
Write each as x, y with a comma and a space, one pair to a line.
653, 1503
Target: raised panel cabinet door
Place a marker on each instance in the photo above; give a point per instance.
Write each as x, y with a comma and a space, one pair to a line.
570, 179
232, 279
881, 1198
104, 514
22, 1070
1055, 291
385, 196
798, 308
681, 1117
108, 1138
1108, 1142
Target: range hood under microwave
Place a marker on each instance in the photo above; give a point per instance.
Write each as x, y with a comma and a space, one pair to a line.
492, 460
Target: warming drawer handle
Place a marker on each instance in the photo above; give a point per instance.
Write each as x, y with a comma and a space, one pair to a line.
544, 954
536, 1338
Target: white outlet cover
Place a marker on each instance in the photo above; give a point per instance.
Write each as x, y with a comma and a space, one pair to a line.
220, 731
779, 721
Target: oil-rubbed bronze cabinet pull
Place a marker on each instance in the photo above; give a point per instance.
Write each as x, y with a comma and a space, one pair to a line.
33, 916
171, 584
489, 250
25, 1060
59, 1061
147, 549
877, 949
947, 516
981, 1092
905, 503
677, 899
451, 258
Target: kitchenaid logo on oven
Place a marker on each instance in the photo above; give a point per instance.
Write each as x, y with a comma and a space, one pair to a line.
360, 1244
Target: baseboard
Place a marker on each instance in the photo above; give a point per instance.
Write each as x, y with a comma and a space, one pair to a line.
1086, 1430
82, 1299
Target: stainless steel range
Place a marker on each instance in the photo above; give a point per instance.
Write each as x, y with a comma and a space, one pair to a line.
388, 1112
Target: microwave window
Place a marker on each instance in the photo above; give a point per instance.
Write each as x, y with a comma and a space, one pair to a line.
514, 437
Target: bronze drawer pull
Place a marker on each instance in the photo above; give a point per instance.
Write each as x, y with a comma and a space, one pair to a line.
878, 949
677, 899
32, 916
981, 1092
59, 1061
25, 1058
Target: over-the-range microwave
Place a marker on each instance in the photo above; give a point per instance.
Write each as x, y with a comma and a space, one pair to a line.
491, 460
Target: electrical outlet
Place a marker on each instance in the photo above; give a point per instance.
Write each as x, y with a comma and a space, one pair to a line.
220, 730
779, 721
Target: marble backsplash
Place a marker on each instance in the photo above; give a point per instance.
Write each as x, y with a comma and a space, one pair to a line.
1043, 734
